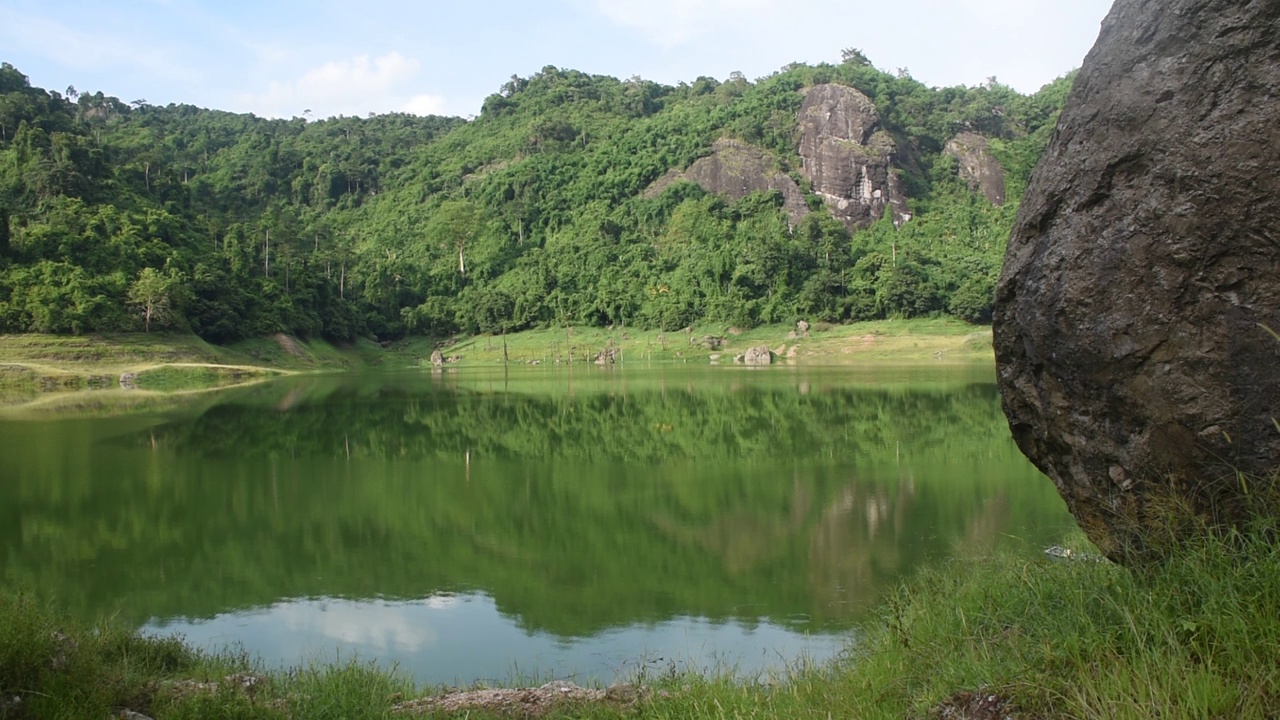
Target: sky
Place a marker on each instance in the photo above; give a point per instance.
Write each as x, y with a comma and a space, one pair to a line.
321, 58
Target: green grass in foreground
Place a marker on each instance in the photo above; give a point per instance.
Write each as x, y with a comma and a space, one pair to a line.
1195, 637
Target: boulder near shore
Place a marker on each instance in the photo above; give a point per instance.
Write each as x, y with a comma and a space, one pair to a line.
1136, 314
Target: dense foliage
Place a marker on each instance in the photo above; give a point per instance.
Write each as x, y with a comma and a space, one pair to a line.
118, 216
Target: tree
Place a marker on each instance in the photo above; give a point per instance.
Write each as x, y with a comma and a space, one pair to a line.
855, 57
454, 224
154, 294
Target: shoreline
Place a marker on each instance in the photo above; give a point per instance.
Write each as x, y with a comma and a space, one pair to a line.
34, 368
930, 341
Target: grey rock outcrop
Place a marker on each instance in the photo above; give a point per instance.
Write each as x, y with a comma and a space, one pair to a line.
1134, 360
980, 170
735, 170
848, 155
760, 355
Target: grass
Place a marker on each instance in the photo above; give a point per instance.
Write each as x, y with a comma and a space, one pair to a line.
115, 354
106, 354
1196, 636
34, 367
176, 378
900, 341
284, 352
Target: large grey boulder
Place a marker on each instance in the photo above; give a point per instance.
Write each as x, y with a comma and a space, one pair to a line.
848, 155
759, 355
1131, 317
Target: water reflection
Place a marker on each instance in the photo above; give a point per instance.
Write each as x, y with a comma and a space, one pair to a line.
740, 512
462, 639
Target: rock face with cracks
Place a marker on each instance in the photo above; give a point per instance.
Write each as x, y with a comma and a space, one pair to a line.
1142, 281
848, 155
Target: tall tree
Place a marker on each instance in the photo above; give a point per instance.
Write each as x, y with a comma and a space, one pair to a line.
154, 294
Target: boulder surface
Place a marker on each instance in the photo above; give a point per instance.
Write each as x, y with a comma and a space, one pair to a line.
1132, 317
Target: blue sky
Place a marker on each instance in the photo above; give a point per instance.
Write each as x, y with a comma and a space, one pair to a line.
281, 58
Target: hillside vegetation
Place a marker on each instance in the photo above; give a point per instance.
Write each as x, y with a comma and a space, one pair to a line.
127, 217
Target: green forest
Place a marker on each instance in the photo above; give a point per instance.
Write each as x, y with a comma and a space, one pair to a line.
126, 217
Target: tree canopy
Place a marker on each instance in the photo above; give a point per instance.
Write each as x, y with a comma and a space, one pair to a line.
117, 216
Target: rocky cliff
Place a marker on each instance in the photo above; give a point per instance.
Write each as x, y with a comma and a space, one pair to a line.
1142, 279
735, 169
980, 170
848, 155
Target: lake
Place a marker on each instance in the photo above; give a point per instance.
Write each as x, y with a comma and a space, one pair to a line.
481, 525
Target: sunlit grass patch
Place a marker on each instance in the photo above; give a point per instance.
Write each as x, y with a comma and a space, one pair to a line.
172, 378
284, 351
911, 341
33, 366
106, 353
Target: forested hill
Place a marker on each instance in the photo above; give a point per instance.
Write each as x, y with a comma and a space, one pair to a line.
835, 192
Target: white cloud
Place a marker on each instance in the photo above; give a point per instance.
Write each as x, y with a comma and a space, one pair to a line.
268, 53
675, 22
353, 86
425, 105
84, 51
943, 42
360, 74
381, 626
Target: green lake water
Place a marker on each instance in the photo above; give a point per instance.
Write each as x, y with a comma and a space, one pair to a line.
484, 525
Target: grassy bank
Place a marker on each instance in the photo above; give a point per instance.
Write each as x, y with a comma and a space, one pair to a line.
901, 341
44, 367
115, 354
1017, 635
33, 366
